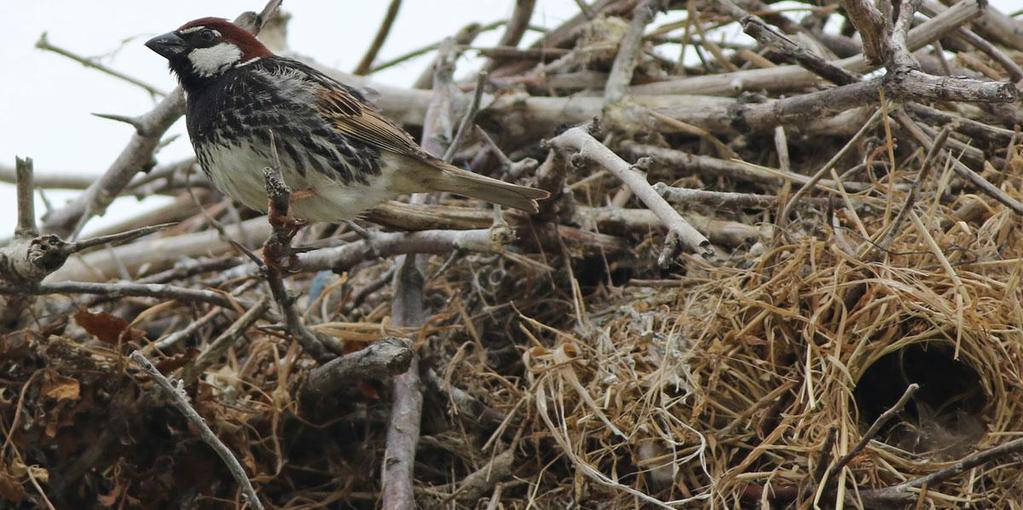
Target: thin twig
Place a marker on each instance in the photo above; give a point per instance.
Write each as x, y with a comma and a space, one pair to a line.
366, 64
44, 44
768, 37
914, 190
216, 348
469, 119
961, 169
177, 396
688, 196
122, 289
805, 188
875, 428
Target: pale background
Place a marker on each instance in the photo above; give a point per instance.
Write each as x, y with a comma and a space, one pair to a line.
46, 99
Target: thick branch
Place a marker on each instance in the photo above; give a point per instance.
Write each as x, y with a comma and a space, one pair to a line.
340, 376
872, 26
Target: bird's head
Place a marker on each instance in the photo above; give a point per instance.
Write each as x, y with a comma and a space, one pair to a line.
204, 49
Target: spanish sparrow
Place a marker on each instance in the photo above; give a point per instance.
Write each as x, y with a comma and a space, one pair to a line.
246, 105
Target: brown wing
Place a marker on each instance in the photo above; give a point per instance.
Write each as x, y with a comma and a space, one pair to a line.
356, 119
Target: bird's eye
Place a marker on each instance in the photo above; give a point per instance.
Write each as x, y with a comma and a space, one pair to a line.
207, 35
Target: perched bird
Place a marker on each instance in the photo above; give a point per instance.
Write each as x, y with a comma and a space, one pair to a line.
337, 152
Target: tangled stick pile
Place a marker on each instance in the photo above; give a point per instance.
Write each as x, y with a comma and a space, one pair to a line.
786, 275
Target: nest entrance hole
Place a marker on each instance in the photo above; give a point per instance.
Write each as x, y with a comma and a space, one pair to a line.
945, 417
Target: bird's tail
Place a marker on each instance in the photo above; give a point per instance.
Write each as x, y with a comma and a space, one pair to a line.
440, 176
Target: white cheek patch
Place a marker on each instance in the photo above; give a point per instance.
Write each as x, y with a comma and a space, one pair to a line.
215, 59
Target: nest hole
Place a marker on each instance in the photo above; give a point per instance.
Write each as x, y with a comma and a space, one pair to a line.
944, 419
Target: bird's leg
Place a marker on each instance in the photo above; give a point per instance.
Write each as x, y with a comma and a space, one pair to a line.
277, 249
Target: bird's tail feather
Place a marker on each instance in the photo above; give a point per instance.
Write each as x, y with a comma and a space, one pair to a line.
440, 176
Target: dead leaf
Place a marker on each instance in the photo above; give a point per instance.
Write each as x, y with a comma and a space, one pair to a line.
41, 474
173, 363
106, 327
19, 469
10, 489
353, 346
59, 387
368, 391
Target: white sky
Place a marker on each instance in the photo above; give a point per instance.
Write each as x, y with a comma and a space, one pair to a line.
46, 99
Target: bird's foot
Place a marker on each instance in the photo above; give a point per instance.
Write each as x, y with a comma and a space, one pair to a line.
281, 220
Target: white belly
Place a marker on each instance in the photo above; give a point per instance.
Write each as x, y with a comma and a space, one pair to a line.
238, 172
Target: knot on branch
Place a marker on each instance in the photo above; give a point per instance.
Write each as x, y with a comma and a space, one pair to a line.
48, 253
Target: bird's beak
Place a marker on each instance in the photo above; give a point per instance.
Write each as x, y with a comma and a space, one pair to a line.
168, 45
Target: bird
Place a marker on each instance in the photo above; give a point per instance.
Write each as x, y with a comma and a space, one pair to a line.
248, 109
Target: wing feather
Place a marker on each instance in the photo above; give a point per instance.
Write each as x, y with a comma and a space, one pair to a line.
355, 118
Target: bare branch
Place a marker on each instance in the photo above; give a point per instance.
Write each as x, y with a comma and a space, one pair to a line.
122, 289
469, 119
26, 227
408, 309
962, 170
794, 77
44, 44
514, 29
872, 26
767, 36
722, 199
629, 51
579, 140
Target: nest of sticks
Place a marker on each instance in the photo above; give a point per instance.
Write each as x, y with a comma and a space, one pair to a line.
817, 303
